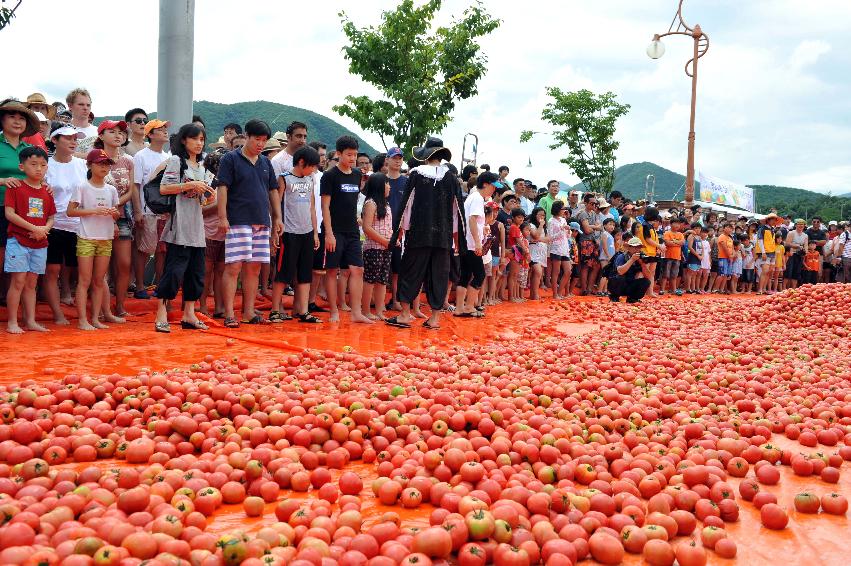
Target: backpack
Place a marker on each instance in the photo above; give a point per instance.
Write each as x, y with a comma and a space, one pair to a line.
155, 201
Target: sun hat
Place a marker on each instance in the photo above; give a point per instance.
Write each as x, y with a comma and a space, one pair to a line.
800, 221
15, 107
272, 144
433, 149
601, 202
155, 124
38, 98
634, 242
281, 137
66, 130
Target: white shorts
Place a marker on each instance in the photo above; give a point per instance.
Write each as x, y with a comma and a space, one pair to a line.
247, 244
146, 235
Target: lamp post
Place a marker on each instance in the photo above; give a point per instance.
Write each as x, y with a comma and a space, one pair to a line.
701, 45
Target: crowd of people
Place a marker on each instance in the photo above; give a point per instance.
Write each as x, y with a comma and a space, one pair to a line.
87, 208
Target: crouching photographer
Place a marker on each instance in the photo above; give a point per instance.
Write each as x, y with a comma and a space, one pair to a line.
626, 279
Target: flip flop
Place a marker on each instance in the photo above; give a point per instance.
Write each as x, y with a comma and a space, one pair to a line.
463, 315
308, 318
162, 327
231, 323
397, 323
428, 326
186, 325
256, 319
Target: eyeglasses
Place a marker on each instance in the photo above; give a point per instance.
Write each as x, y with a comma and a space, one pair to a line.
142, 121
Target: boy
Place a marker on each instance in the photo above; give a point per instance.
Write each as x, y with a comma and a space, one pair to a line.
748, 277
300, 238
673, 239
811, 263
30, 211
339, 188
725, 259
472, 267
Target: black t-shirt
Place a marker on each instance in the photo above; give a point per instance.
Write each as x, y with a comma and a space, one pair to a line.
814, 235
343, 188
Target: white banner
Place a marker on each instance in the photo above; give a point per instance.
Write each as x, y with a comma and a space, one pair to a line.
726, 193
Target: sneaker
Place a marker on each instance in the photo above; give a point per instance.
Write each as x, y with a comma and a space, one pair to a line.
141, 294
678, 292
289, 291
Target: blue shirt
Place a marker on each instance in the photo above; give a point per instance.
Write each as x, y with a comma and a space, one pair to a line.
248, 188
397, 191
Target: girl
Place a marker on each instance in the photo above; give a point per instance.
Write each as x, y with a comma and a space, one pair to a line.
497, 228
95, 203
747, 265
559, 250
112, 136
693, 258
523, 258
183, 235
737, 267
538, 250
214, 253
378, 228
607, 252
779, 264
515, 254
573, 254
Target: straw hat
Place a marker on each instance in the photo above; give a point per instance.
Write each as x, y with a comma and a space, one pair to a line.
15, 107
38, 98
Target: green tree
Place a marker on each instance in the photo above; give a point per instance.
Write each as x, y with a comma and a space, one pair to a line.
421, 71
6, 14
585, 123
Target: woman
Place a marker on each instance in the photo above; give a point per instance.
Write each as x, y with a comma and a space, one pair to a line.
16, 122
796, 246
186, 178
538, 250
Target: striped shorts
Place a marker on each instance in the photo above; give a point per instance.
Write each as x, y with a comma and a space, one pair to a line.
247, 244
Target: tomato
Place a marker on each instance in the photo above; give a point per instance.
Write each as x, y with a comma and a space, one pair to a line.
690, 554
726, 548
507, 555
658, 553
480, 524
433, 542
807, 503
472, 554
633, 539
606, 549
834, 503
773, 516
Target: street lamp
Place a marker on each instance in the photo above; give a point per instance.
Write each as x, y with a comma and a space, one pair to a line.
701, 45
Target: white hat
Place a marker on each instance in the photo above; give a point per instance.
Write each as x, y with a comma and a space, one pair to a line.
66, 130
40, 116
634, 242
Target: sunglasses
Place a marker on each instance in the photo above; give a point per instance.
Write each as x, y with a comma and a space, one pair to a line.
142, 121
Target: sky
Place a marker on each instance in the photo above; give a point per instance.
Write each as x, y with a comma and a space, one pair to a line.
772, 89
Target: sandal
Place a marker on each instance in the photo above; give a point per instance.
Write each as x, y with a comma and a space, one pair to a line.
428, 326
218, 315
463, 315
256, 319
162, 327
198, 325
397, 323
307, 317
277, 316
231, 323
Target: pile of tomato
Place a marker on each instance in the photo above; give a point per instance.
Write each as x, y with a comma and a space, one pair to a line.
645, 437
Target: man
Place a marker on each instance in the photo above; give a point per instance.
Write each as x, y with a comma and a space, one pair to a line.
80, 104
148, 226
519, 187
828, 271
364, 163
339, 189
616, 199
136, 119
433, 228
472, 269
503, 175
591, 223
319, 255
247, 196
764, 249
573, 203
230, 131
627, 281
394, 162
547, 200
296, 139
237, 141
842, 254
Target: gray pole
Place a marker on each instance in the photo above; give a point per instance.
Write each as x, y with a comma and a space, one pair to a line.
176, 55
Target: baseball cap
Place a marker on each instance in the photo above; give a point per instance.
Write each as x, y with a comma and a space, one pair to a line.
112, 124
155, 124
98, 156
832, 223
492, 205
394, 152
66, 130
489, 177
574, 226
633, 242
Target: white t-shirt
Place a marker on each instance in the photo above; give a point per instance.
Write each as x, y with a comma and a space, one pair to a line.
96, 227
474, 207
91, 131
282, 163
557, 229
145, 162
317, 176
64, 178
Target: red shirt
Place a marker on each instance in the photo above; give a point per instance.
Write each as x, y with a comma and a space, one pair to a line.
37, 140
514, 234
36, 206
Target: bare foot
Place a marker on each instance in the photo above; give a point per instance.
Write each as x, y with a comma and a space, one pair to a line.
61, 321
371, 316
205, 312
67, 301
419, 314
35, 326
114, 319
396, 307
380, 316
345, 308
335, 316
14, 329
362, 319
99, 325
83, 325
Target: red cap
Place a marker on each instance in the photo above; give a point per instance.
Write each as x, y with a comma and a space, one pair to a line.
112, 124
98, 156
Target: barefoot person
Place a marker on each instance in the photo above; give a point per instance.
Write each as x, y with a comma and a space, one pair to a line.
432, 224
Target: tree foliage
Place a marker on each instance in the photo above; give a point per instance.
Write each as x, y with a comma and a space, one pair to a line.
585, 123
6, 14
420, 71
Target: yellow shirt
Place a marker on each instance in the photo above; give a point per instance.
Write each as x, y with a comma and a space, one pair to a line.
780, 256
769, 244
647, 248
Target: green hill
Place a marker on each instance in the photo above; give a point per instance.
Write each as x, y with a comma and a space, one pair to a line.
278, 116
629, 179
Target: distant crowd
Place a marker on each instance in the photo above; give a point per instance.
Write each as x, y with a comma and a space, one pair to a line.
87, 209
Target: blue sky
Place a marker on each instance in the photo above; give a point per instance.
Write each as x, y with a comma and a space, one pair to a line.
772, 91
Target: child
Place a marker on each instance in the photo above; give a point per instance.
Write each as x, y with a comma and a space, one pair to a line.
748, 278
518, 216
559, 250
214, 253
478, 240
725, 259
737, 267
300, 239
523, 257
779, 264
538, 250
377, 228
497, 228
607, 253
30, 211
811, 264
705, 260
692, 271
573, 247
94, 202
673, 240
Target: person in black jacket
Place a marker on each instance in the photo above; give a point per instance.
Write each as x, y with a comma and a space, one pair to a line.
432, 224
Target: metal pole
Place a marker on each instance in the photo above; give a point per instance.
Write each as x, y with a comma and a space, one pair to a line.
689, 193
176, 56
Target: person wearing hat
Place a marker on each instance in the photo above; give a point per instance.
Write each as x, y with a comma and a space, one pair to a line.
432, 224
38, 103
272, 148
39, 138
764, 248
395, 160
16, 122
796, 242
65, 172
627, 277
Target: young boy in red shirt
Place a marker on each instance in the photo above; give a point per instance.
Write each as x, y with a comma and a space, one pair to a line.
673, 239
30, 209
811, 264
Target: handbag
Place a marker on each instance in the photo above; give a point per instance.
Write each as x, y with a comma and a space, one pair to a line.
155, 201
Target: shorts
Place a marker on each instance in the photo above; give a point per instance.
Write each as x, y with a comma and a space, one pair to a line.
247, 244
295, 259
748, 276
146, 235
62, 248
94, 248
590, 262
556, 257
472, 271
347, 253
671, 268
319, 255
161, 247
21, 259
455, 268
725, 267
125, 230
377, 266
714, 267
4, 230
768, 261
694, 267
495, 261
215, 251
